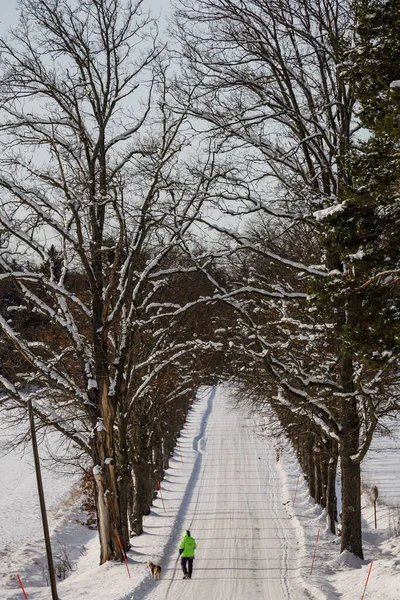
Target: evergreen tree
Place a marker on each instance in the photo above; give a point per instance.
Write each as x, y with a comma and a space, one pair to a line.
366, 230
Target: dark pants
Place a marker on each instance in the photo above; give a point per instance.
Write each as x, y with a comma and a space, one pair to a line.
187, 565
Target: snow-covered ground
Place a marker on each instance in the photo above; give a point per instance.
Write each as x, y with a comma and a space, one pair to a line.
343, 575
381, 467
254, 523
20, 520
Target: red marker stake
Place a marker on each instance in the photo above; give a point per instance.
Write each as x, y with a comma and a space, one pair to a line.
315, 551
22, 587
124, 555
366, 583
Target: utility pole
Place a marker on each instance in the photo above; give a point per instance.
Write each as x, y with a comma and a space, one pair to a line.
50, 563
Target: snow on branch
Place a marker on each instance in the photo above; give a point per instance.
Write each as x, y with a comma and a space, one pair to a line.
328, 212
48, 371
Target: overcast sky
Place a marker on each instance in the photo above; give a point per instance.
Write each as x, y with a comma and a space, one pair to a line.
9, 11
9, 14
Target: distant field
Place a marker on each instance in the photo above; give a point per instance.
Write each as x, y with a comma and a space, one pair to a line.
20, 519
381, 467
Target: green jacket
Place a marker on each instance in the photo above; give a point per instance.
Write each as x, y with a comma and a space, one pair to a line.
187, 547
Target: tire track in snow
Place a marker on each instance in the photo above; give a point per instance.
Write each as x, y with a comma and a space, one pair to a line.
232, 494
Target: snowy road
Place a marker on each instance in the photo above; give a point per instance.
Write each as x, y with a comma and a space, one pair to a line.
246, 546
224, 484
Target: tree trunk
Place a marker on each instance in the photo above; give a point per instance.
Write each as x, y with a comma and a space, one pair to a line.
324, 478
106, 481
142, 495
351, 537
123, 471
144, 480
130, 509
167, 449
331, 500
310, 469
318, 478
158, 457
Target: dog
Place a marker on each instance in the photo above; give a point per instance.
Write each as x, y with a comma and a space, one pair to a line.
155, 570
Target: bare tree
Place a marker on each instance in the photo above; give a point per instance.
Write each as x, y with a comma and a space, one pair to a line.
92, 203
268, 87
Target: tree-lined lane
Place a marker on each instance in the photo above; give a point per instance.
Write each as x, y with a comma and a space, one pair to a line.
246, 546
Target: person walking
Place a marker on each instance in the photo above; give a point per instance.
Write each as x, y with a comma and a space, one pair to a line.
186, 552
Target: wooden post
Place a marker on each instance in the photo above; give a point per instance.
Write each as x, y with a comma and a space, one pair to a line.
374, 497
45, 525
